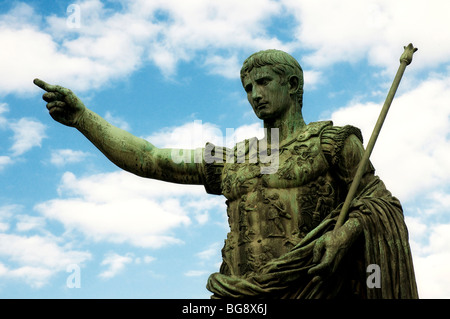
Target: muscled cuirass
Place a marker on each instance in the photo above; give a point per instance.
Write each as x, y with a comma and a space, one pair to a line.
270, 213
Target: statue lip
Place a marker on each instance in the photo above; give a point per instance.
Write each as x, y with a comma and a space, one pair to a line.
261, 105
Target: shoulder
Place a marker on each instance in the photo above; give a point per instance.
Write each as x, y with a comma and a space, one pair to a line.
335, 138
341, 133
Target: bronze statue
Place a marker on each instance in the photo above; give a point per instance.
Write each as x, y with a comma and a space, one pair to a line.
282, 241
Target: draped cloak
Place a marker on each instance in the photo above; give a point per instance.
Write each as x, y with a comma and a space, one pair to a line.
382, 247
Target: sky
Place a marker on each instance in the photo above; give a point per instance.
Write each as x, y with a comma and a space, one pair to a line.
73, 225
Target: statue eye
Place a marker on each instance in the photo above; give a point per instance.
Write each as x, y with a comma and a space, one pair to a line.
248, 88
264, 81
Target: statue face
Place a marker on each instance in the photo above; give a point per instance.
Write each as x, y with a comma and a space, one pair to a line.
268, 97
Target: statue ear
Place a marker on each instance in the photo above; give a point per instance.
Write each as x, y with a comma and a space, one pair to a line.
294, 84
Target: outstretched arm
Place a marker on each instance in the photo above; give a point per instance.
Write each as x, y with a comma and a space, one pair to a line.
127, 151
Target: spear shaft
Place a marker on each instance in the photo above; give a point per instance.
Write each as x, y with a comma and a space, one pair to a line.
405, 60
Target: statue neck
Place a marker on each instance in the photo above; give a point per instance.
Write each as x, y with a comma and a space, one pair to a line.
288, 124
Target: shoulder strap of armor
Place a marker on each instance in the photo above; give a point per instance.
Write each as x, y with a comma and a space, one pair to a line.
333, 139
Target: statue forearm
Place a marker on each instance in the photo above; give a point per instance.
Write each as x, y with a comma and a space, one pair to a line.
135, 154
122, 148
351, 230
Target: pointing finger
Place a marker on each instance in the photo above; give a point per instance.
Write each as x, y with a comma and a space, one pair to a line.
44, 85
51, 88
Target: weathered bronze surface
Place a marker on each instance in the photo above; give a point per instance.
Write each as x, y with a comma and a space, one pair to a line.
283, 194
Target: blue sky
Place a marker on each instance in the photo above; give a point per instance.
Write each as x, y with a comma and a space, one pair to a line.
160, 69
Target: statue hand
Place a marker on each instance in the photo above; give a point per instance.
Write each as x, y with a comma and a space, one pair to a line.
63, 105
332, 247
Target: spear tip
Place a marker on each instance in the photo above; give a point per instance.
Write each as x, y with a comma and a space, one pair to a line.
408, 54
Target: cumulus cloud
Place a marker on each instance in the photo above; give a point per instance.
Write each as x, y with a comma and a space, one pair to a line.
348, 31
431, 259
28, 133
195, 134
26, 223
3, 109
35, 259
117, 121
23, 35
110, 45
119, 207
209, 260
413, 148
6, 212
115, 263
210, 252
5, 161
67, 156
411, 156
196, 273
227, 67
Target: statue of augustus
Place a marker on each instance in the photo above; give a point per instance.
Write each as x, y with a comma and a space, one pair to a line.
283, 194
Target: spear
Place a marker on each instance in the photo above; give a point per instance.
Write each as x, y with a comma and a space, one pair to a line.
405, 60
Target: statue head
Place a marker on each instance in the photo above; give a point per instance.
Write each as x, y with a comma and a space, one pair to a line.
281, 63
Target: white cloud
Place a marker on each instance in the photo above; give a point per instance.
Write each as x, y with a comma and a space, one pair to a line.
46, 62
67, 156
28, 133
199, 24
196, 273
439, 203
145, 259
430, 256
5, 161
312, 79
411, 156
413, 148
101, 53
35, 259
350, 30
209, 260
27, 223
432, 275
3, 109
228, 67
115, 263
119, 207
210, 252
117, 121
6, 212
201, 208
110, 45
195, 134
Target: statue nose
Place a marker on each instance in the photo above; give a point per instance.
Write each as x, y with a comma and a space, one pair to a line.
256, 95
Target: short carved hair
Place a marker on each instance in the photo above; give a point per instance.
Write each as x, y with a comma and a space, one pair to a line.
281, 62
